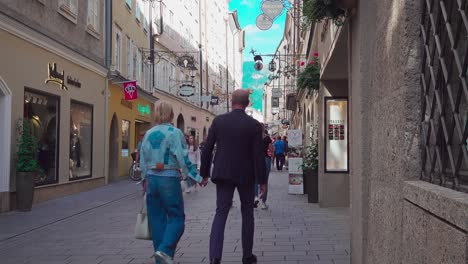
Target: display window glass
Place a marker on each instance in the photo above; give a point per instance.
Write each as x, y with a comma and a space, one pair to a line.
336, 134
125, 138
81, 140
42, 112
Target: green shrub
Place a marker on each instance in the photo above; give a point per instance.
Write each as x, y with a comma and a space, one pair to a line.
27, 150
309, 78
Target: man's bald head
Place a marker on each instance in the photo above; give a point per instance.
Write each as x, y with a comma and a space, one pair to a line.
240, 99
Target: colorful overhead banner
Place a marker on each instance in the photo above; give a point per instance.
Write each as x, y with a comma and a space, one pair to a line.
130, 90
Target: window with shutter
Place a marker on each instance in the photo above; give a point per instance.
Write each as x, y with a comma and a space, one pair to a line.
118, 50
69, 9
129, 58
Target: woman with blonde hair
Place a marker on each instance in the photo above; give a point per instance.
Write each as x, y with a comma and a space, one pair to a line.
163, 154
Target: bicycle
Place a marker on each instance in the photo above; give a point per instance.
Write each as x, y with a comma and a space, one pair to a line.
134, 172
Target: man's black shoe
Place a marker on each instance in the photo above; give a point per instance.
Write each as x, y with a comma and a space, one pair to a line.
256, 203
215, 261
250, 260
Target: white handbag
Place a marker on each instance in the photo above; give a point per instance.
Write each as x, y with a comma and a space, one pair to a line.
142, 228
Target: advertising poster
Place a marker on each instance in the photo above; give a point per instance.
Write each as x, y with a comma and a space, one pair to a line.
336, 141
296, 180
295, 138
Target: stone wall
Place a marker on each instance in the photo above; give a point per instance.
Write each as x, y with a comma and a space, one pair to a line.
389, 223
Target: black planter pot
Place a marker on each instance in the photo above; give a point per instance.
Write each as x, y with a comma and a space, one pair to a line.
311, 184
24, 190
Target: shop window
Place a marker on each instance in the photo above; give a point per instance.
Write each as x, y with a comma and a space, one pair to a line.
125, 137
81, 140
336, 137
41, 110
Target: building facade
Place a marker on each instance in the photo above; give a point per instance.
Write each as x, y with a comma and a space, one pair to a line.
55, 80
128, 120
393, 76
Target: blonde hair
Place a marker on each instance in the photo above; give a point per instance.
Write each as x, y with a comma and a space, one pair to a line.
163, 113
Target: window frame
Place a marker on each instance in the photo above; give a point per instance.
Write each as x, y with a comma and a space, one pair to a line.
118, 64
69, 9
93, 18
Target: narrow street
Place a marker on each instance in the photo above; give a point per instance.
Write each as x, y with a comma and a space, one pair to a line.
96, 227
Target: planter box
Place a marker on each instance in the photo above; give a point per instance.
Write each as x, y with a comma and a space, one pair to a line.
24, 190
311, 185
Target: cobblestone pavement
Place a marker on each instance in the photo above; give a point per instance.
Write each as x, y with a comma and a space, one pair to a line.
81, 230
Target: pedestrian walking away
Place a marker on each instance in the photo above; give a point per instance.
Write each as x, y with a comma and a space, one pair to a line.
163, 154
279, 153
268, 152
194, 157
238, 164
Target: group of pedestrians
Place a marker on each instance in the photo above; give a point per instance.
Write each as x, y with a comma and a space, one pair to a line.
242, 162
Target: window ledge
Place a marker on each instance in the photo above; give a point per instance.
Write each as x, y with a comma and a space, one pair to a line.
90, 29
67, 13
445, 203
129, 8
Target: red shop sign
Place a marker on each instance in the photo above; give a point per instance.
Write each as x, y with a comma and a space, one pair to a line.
130, 90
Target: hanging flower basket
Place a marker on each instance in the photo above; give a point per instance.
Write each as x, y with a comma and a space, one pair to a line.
309, 79
318, 10
345, 4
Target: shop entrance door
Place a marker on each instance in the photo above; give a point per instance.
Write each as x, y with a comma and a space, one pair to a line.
114, 150
5, 140
140, 129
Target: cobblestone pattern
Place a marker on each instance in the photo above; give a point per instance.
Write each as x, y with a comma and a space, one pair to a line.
290, 231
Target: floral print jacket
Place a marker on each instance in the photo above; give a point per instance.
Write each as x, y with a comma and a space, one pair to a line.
165, 148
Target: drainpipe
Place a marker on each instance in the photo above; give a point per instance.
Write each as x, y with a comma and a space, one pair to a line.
106, 89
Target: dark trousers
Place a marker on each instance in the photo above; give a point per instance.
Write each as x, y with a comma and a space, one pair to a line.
224, 195
279, 161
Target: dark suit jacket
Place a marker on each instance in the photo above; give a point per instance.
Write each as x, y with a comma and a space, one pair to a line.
239, 158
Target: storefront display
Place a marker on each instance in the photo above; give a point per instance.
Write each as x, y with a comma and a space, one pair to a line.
41, 110
336, 139
81, 140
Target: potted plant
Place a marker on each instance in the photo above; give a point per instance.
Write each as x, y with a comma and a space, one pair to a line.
310, 170
309, 78
26, 168
317, 10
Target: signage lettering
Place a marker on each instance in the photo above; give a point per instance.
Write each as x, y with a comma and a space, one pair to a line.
74, 82
54, 76
214, 100
126, 103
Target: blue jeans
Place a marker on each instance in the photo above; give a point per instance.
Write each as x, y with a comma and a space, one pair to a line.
268, 168
166, 216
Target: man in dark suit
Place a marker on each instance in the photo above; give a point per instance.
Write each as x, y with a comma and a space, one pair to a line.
238, 162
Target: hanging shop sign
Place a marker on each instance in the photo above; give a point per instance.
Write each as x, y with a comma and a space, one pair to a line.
275, 102
186, 90
275, 110
276, 92
272, 8
214, 100
57, 77
264, 22
336, 141
130, 90
144, 110
205, 98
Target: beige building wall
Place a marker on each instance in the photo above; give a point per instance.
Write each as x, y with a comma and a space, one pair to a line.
29, 69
